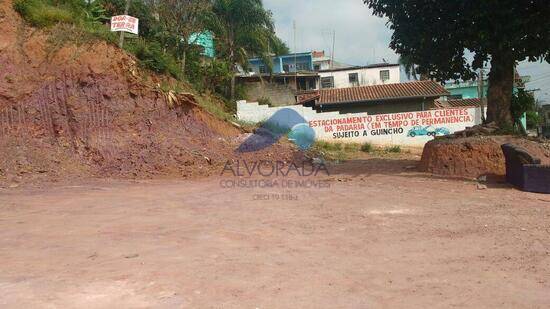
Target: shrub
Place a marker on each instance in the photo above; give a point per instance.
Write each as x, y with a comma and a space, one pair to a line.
367, 147
265, 101
533, 120
393, 149
152, 57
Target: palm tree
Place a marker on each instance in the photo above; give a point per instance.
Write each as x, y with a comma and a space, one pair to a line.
243, 28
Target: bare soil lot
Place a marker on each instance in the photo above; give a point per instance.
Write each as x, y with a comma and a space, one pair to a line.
381, 236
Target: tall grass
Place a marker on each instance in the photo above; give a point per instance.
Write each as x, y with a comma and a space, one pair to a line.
41, 13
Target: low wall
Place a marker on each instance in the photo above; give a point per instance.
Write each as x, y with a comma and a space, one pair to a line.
278, 95
408, 129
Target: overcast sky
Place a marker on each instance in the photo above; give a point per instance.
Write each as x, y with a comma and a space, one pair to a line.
360, 37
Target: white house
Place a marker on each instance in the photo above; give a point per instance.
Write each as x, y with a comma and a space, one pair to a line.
375, 74
322, 62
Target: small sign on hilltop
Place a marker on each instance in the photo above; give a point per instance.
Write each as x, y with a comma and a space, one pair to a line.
124, 23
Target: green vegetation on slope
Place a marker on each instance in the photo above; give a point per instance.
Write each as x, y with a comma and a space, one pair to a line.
163, 43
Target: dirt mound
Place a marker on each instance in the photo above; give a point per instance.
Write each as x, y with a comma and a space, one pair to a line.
88, 111
472, 157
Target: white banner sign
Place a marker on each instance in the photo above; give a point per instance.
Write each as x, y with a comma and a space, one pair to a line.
409, 128
124, 23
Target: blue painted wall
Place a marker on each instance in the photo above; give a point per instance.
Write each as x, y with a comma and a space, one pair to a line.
285, 63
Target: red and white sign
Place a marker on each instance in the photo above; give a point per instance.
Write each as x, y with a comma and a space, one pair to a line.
124, 23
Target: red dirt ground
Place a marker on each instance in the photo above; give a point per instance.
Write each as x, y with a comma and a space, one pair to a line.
380, 237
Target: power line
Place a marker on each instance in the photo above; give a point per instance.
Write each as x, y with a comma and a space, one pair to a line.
543, 76
539, 79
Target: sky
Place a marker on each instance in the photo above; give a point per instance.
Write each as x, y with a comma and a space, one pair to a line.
360, 37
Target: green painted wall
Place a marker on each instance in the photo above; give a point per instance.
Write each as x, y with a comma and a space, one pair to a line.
206, 40
467, 90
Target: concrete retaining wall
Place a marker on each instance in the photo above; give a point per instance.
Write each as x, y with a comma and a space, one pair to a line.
279, 95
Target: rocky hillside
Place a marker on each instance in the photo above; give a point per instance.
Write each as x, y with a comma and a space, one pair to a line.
73, 111
472, 157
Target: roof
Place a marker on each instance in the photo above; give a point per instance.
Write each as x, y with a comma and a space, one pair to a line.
283, 56
417, 89
267, 75
476, 102
371, 66
307, 97
318, 54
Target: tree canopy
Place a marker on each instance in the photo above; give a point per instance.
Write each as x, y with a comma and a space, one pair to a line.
440, 35
244, 28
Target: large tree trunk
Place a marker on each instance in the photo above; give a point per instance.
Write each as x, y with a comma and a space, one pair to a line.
501, 84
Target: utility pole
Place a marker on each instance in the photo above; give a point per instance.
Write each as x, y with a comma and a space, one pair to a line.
121, 38
481, 92
333, 45
295, 57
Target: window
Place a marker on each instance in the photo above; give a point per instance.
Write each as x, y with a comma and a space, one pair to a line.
303, 66
286, 68
317, 67
327, 82
384, 75
263, 69
354, 79
455, 97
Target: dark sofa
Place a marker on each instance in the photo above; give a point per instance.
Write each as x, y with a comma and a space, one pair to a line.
525, 171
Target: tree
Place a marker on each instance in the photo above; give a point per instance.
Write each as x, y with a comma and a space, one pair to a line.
180, 19
523, 102
243, 28
408, 66
438, 35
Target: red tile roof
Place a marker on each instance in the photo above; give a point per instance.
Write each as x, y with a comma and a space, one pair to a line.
458, 103
307, 97
418, 89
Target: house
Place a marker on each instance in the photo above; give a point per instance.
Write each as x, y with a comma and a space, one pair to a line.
322, 62
294, 71
206, 41
470, 89
376, 99
454, 103
291, 63
465, 90
545, 111
277, 89
290, 74
356, 76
